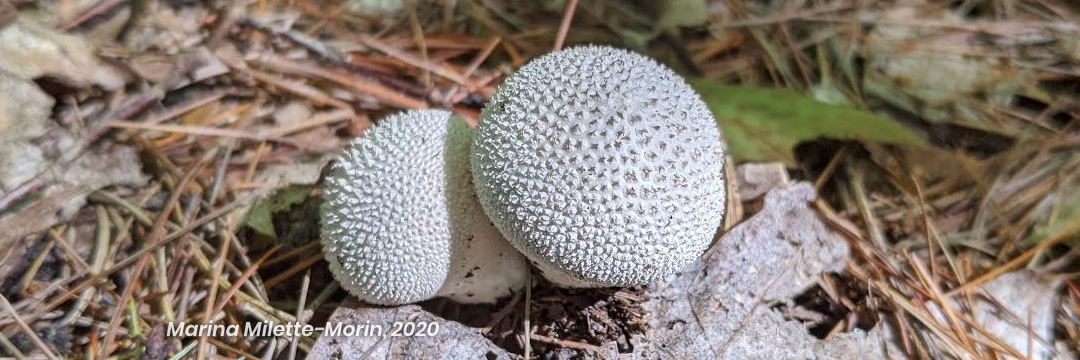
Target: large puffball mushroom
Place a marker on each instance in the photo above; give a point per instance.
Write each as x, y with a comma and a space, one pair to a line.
401, 222
602, 166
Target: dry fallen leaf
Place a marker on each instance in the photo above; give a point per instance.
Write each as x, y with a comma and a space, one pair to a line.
756, 179
439, 338
770, 258
1019, 309
66, 189
949, 71
24, 116
32, 49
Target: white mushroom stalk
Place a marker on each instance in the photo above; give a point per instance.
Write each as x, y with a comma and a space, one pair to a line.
602, 166
401, 222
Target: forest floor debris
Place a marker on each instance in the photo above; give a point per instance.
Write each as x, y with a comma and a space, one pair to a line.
942, 150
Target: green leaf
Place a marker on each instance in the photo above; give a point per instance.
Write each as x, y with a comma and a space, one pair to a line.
765, 124
678, 13
261, 217
637, 26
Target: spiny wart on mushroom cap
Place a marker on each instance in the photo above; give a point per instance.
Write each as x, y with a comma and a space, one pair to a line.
400, 218
602, 166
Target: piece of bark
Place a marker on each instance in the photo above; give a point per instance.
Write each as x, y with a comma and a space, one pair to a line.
452, 340
719, 307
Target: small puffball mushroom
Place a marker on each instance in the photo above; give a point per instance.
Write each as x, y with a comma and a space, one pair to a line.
401, 222
602, 166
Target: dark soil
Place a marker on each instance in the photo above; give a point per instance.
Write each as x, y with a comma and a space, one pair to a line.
589, 316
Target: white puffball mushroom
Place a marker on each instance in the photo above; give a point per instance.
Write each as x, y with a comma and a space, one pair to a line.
602, 166
401, 222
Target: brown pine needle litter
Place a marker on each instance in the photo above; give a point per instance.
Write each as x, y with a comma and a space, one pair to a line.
173, 170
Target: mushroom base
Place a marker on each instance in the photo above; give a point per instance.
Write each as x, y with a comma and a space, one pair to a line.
484, 267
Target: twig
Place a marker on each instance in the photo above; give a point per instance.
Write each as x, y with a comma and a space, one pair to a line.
219, 174
302, 39
152, 238
253, 165
525, 321
26, 329
948, 341
19, 192
342, 77
135, 211
316, 120
858, 189
292, 253
293, 271
229, 18
196, 130
68, 250
186, 106
482, 56
35, 265
185, 293
418, 35
183, 352
6, 343
831, 167
324, 295
445, 41
249, 304
567, 343
133, 318
98, 9
243, 277
271, 348
316, 96
93, 280
97, 261
564, 27
930, 285
225, 346
414, 61
1063, 234
219, 266
495, 320
300, 313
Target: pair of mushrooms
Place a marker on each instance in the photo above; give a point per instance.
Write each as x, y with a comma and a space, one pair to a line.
599, 166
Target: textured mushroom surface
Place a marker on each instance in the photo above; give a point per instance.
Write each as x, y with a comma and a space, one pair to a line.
602, 166
399, 209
